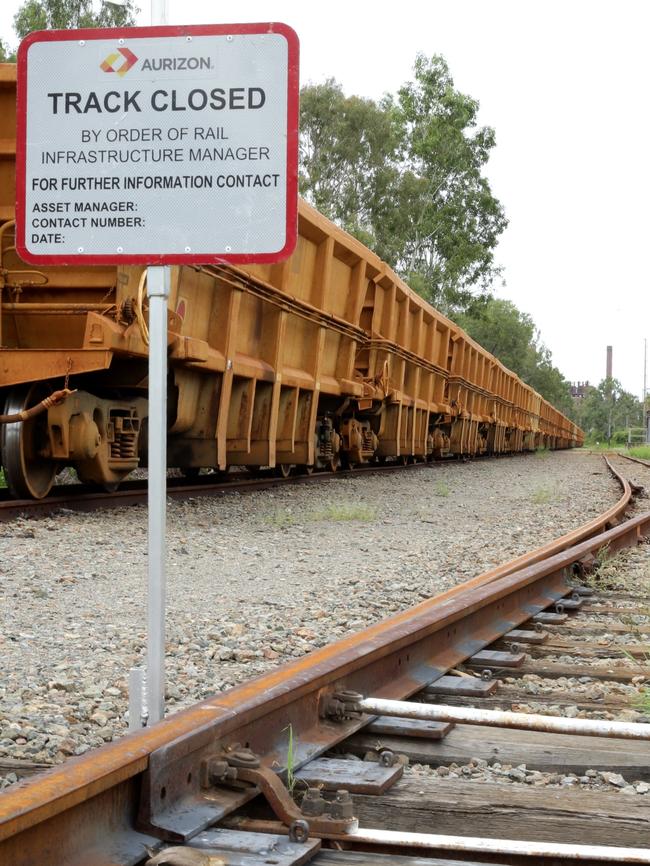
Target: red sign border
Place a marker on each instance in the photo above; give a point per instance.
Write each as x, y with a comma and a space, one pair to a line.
148, 32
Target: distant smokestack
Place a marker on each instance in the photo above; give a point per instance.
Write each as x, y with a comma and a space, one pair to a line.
609, 362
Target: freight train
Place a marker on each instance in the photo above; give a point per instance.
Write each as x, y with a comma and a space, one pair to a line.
323, 360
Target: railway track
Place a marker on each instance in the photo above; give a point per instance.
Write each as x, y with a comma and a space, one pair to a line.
80, 497
211, 784
639, 460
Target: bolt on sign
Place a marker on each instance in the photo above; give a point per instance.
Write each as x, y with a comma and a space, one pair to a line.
158, 145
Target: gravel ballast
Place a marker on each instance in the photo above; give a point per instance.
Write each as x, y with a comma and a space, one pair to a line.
253, 580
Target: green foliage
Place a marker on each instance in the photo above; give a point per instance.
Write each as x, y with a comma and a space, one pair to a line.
343, 512
333, 512
542, 496
504, 331
403, 175
603, 556
291, 761
606, 409
442, 488
642, 451
643, 701
66, 15
347, 145
619, 437
69, 15
512, 336
448, 222
6, 54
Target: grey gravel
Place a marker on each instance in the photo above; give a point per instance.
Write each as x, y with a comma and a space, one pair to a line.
254, 581
496, 772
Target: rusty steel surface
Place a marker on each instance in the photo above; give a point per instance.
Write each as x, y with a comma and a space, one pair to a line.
597, 524
153, 773
640, 460
490, 850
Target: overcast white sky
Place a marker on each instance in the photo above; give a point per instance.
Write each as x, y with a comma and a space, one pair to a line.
565, 84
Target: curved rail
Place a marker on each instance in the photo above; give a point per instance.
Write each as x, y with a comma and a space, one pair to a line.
607, 519
91, 801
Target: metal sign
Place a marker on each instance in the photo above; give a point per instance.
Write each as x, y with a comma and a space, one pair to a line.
158, 145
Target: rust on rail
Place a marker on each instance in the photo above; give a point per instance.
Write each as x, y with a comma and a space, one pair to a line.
147, 773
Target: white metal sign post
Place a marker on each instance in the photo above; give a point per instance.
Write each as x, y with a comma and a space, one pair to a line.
157, 146
158, 279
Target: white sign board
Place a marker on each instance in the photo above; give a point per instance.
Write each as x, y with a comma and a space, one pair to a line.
158, 145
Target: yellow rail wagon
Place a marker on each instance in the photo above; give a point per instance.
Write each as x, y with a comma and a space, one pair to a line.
326, 358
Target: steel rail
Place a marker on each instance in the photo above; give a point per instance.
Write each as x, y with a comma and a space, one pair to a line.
84, 811
640, 460
78, 497
608, 518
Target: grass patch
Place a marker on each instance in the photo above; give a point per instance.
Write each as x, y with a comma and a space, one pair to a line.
610, 574
281, 519
339, 512
442, 488
602, 446
291, 761
642, 451
642, 703
343, 512
542, 496
603, 556
542, 452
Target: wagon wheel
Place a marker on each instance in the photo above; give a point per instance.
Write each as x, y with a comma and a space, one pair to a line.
304, 469
284, 469
29, 475
333, 463
190, 472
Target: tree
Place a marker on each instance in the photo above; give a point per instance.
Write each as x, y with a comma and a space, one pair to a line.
70, 14
347, 149
404, 176
607, 408
513, 338
6, 54
66, 15
504, 331
447, 221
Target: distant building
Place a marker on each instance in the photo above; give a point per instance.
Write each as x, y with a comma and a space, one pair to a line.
579, 390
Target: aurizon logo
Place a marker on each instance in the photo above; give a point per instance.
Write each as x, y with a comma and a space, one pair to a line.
108, 65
